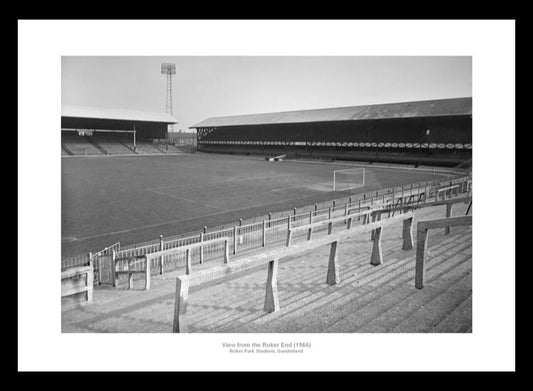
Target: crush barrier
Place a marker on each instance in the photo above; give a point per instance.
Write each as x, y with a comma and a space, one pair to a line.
78, 280
272, 257
422, 230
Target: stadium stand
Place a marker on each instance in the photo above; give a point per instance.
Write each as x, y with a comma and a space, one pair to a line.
144, 147
424, 132
80, 145
181, 148
112, 131
113, 145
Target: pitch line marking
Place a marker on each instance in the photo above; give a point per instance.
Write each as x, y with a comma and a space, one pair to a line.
232, 179
186, 199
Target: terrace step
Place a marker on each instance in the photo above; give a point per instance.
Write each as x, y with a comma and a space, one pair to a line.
367, 299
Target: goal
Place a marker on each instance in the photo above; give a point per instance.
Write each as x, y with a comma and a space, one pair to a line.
348, 179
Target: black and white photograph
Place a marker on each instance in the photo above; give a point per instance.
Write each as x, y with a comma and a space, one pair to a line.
251, 206
328, 219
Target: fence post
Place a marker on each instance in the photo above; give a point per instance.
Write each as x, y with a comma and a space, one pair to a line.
294, 211
264, 233
270, 216
180, 304
349, 223
377, 258
329, 213
188, 263
205, 229
240, 222
407, 234
130, 277
289, 234
289, 222
332, 277
201, 248
330, 228
161, 257
147, 274
113, 268
91, 263
90, 282
448, 215
235, 240
271, 294
226, 251
421, 245
310, 217
316, 207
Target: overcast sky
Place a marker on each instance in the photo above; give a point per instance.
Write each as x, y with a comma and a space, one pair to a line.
219, 86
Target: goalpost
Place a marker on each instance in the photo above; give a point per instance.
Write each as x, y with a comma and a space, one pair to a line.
348, 179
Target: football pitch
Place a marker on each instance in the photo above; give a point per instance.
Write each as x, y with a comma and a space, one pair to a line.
131, 199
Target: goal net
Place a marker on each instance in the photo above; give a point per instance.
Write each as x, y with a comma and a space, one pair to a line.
348, 179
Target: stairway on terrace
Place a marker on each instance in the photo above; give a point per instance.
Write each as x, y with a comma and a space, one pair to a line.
113, 145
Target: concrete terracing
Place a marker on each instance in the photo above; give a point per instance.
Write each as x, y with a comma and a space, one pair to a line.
368, 298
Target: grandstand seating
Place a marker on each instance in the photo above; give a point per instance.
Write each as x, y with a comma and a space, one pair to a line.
101, 143
144, 147
181, 148
112, 145
79, 145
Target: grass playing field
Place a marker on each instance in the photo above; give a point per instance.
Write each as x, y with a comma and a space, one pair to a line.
137, 198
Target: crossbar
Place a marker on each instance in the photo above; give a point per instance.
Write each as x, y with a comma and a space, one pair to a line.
443, 223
